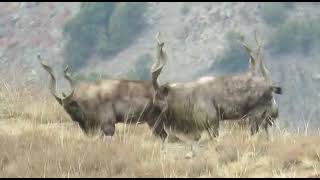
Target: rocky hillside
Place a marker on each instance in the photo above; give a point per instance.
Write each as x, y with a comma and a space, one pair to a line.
194, 35
29, 28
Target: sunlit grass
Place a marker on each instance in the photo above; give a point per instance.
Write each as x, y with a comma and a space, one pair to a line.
37, 139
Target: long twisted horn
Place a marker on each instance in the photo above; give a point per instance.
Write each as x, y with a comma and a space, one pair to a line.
265, 72
67, 76
52, 83
259, 48
161, 60
252, 60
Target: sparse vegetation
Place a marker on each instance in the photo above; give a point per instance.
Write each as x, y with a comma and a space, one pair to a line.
141, 70
299, 36
234, 59
104, 28
275, 13
91, 77
185, 9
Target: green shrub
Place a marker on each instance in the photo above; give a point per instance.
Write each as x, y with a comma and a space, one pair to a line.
141, 70
104, 28
296, 36
275, 13
76, 60
234, 59
125, 22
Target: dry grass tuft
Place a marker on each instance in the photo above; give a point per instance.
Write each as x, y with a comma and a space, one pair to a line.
38, 107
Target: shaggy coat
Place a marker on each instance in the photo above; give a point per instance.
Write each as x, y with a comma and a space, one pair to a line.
100, 105
199, 105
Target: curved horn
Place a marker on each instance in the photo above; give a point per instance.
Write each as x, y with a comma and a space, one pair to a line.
52, 84
67, 76
259, 48
161, 59
265, 72
252, 60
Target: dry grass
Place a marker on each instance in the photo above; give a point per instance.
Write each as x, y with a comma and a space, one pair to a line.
39, 107
37, 139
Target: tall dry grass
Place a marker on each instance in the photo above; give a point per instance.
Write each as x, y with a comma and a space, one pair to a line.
37, 139
29, 104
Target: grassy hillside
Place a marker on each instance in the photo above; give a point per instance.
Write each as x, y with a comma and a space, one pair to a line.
37, 139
